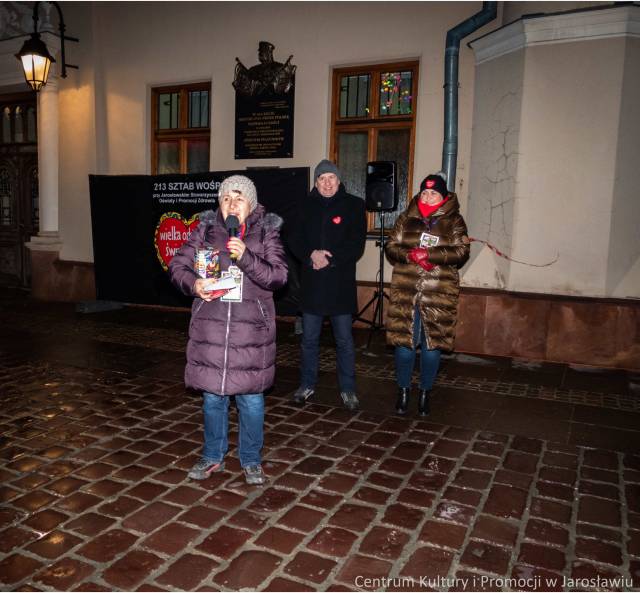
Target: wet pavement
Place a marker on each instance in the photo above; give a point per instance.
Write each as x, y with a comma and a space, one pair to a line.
525, 476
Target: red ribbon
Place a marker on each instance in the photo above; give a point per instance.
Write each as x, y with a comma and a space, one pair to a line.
503, 255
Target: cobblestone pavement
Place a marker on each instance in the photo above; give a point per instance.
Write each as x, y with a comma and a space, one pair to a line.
526, 476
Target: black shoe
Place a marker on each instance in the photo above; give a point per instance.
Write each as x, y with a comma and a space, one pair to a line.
402, 403
423, 402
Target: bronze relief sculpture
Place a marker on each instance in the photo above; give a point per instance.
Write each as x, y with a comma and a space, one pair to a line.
267, 77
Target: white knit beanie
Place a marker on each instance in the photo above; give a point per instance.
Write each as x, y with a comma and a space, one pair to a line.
241, 184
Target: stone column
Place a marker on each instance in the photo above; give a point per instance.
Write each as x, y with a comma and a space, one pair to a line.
46, 245
48, 238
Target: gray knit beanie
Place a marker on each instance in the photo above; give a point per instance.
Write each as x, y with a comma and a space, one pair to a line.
325, 166
241, 184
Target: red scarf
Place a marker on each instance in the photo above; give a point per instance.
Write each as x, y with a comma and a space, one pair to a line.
427, 210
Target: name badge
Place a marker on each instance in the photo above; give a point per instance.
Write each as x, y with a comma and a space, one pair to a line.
235, 294
427, 240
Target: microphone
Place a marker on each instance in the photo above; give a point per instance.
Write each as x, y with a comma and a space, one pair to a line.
233, 224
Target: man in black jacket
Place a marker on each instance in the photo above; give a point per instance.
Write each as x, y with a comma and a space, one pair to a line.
329, 240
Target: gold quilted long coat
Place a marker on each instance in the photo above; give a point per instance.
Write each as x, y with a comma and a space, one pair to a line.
435, 292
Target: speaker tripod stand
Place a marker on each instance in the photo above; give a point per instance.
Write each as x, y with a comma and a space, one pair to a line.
377, 300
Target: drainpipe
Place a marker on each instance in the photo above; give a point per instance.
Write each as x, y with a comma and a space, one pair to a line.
452, 51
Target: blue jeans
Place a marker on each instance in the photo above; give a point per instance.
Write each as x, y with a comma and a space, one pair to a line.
345, 351
406, 359
250, 427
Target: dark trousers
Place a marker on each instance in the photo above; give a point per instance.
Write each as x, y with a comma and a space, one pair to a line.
345, 351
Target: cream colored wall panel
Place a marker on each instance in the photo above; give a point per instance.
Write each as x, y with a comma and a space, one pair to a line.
494, 168
567, 156
623, 265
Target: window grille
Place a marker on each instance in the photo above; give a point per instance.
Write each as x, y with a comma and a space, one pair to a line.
181, 133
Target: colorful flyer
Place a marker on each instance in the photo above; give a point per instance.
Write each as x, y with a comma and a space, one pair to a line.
207, 264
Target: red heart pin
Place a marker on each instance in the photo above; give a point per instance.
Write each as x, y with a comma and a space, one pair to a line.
172, 231
337, 220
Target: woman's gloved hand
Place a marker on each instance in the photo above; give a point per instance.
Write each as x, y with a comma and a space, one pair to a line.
200, 290
420, 257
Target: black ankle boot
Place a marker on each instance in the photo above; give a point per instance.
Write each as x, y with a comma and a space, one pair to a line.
423, 402
402, 403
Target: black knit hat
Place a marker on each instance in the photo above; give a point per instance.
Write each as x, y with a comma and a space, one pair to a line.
435, 182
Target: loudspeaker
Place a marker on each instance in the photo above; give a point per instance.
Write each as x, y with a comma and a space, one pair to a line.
382, 186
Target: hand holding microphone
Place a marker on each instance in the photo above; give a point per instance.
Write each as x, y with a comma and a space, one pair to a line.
235, 245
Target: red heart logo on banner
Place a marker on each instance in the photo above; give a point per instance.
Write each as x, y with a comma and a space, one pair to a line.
337, 220
172, 231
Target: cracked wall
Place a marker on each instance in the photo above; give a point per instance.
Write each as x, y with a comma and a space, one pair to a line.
494, 168
554, 172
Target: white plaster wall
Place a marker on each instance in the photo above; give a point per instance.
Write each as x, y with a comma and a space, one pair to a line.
77, 141
566, 166
140, 45
494, 168
623, 265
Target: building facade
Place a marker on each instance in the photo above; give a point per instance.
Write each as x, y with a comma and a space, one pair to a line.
548, 128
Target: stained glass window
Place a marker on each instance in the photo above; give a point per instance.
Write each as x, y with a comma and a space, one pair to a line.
395, 93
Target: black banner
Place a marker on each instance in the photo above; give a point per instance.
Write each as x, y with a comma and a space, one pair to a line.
264, 125
139, 222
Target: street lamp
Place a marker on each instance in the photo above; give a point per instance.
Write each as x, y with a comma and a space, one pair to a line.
35, 57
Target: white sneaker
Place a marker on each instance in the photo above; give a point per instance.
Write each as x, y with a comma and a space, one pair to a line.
302, 394
253, 474
204, 468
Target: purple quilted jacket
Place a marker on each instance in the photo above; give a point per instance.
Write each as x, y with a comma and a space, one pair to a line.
232, 346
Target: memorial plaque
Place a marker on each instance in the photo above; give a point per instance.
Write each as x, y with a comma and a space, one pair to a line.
264, 107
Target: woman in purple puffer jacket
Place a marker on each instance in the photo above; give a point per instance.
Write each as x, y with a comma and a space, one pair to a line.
232, 334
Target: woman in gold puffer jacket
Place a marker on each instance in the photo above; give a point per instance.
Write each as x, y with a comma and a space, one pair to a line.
427, 246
